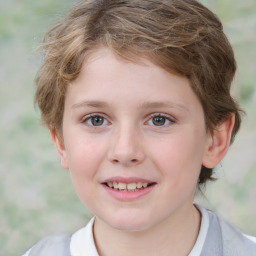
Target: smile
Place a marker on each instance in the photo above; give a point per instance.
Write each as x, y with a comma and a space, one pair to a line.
127, 189
134, 186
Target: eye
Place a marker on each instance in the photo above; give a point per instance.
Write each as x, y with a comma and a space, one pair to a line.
160, 120
95, 120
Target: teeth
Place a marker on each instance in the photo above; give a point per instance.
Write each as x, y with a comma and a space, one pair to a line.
131, 186
144, 184
127, 187
110, 184
139, 185
121, 186
115, 184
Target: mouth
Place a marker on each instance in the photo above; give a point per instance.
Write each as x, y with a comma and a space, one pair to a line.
128, 187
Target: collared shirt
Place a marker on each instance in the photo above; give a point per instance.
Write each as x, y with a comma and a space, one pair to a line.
216, 237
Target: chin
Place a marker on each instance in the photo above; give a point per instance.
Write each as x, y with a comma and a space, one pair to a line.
129, 223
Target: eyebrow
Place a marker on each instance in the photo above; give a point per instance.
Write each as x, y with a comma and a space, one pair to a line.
92, 104
144, 105
164, 104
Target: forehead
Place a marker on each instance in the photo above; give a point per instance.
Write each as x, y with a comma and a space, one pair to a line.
107, 77
103, 62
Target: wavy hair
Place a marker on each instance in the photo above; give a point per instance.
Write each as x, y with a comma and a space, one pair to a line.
181, 36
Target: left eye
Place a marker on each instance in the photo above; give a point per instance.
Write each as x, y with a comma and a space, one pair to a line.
95, 121
159, 120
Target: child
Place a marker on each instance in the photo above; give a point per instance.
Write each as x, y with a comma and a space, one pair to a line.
136, 94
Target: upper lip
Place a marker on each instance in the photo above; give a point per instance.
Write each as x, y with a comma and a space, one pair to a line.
127, 180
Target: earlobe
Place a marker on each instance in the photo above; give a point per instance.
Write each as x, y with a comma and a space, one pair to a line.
219, 143
60, 148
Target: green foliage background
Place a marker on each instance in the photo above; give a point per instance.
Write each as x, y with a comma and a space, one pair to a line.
36, 196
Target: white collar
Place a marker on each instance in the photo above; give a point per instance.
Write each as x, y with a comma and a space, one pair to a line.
197, 249
82, 241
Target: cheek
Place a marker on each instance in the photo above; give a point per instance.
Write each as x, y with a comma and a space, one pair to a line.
84, 158
179, 156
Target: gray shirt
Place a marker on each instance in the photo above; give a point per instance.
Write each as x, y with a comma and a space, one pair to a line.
222, 239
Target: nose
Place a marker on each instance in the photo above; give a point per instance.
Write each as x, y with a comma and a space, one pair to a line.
126, 147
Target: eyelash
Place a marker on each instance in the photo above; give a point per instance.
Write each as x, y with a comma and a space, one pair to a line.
87, 118
167, 117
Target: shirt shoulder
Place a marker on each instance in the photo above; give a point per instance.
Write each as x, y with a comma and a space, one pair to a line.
82, 241
231, 239
56, 245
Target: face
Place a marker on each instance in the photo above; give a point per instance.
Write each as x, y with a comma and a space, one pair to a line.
134, 141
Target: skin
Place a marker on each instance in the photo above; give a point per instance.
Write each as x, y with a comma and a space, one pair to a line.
127, 97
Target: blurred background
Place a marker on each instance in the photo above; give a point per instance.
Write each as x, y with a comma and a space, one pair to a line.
36, 195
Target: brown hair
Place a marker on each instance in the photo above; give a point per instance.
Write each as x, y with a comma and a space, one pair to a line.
181, 36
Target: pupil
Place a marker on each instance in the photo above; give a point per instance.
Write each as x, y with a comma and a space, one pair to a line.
97, 120
159, 120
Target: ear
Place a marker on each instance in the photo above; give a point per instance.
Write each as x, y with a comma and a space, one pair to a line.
60, 149
218, 143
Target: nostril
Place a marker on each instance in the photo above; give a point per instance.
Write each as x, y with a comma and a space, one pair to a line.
134, 160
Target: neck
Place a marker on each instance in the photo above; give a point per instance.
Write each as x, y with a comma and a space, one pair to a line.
176, 234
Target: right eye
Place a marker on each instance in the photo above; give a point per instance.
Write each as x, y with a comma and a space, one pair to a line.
95, 120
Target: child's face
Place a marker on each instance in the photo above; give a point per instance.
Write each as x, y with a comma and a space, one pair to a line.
133, 123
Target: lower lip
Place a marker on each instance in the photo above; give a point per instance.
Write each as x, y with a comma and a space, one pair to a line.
128, 196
